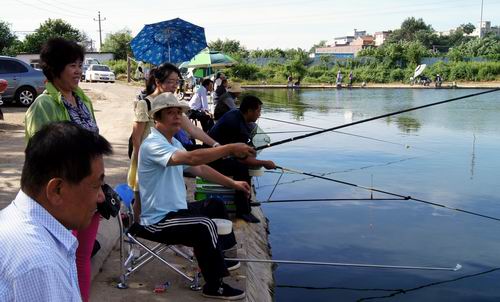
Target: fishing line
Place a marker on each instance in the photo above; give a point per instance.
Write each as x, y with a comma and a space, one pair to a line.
372, 118
345, 133
277, 182
392, 194
341, 171
280, 132
396, 291
404, 291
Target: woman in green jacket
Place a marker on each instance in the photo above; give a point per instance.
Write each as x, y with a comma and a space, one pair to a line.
63, 100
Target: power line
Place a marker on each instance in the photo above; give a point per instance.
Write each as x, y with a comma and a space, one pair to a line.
63, 8
56, 13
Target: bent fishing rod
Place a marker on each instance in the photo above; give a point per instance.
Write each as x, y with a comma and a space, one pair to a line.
372, 118
406, 267
390, 193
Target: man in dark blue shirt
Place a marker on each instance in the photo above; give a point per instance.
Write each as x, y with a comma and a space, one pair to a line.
236, 126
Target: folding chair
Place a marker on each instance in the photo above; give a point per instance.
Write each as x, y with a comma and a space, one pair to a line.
135, 260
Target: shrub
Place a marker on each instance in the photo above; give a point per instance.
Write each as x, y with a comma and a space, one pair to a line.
120, 66
397, 75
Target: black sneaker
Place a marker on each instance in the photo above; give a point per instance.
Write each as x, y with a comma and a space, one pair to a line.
231, 265
223, 291
249, 218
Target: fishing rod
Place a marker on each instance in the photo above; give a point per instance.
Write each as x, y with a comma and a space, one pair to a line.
340, 132
339, 171
372, 118
406, 267
390, 193
331, 199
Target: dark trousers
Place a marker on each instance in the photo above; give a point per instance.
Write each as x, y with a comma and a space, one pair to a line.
233, 167
205, 120
193, 227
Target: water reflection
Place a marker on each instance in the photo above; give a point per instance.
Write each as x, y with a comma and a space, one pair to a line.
446, 154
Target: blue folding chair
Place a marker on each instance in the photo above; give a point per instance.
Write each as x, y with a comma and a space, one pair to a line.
135, 260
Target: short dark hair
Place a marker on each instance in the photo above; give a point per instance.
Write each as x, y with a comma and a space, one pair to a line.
60, 149
56, 54
160, 74
206, 82
250, 102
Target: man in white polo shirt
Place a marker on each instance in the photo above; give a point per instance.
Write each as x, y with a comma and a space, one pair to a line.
165, 214
60, 189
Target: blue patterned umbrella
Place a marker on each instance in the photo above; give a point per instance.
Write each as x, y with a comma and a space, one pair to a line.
169, 41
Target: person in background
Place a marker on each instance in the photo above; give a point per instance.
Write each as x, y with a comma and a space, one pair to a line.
164, 78
199, 105
227, 101
219, 77
166, 215
3, 87
220, 91
438, 81
63, 100
351, 78
236, 127
297, 84
338, 81
60, 189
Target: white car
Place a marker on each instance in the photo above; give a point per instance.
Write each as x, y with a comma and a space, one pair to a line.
99, 73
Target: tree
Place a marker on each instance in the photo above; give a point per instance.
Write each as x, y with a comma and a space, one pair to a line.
467, 28
118, 43
413, 30
414, 52
51, 29
7, 37
321, 43
229, 47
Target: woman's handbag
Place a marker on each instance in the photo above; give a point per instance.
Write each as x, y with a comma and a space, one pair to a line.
111, 204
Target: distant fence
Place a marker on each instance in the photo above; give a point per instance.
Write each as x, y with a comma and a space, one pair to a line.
331, 61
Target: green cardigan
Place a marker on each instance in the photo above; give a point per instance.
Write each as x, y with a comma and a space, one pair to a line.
49, 107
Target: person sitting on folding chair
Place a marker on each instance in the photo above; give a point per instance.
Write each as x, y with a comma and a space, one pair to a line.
199, 105
166, 216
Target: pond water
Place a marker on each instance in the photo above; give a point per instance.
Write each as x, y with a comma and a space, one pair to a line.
446, 154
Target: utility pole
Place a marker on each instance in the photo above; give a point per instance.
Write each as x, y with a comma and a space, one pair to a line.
100, 31
481, 21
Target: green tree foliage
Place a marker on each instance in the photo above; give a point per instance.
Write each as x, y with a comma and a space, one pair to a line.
118, 43
467, 28
7, 38
397, 55
50, 29
488, 46
231, 47
413, 30
321, 43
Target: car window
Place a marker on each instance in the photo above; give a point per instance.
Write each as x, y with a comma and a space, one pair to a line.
9, 66
100, 68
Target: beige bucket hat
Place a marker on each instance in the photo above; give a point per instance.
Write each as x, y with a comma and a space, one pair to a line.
167, 100
235, 88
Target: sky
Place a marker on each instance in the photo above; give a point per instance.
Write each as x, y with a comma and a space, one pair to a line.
257, 24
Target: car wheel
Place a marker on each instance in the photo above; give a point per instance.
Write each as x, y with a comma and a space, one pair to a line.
25, 96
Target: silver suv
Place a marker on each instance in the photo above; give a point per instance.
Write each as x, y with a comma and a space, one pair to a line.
24, 82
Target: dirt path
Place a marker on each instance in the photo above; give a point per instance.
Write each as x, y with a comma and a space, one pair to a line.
113, 108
